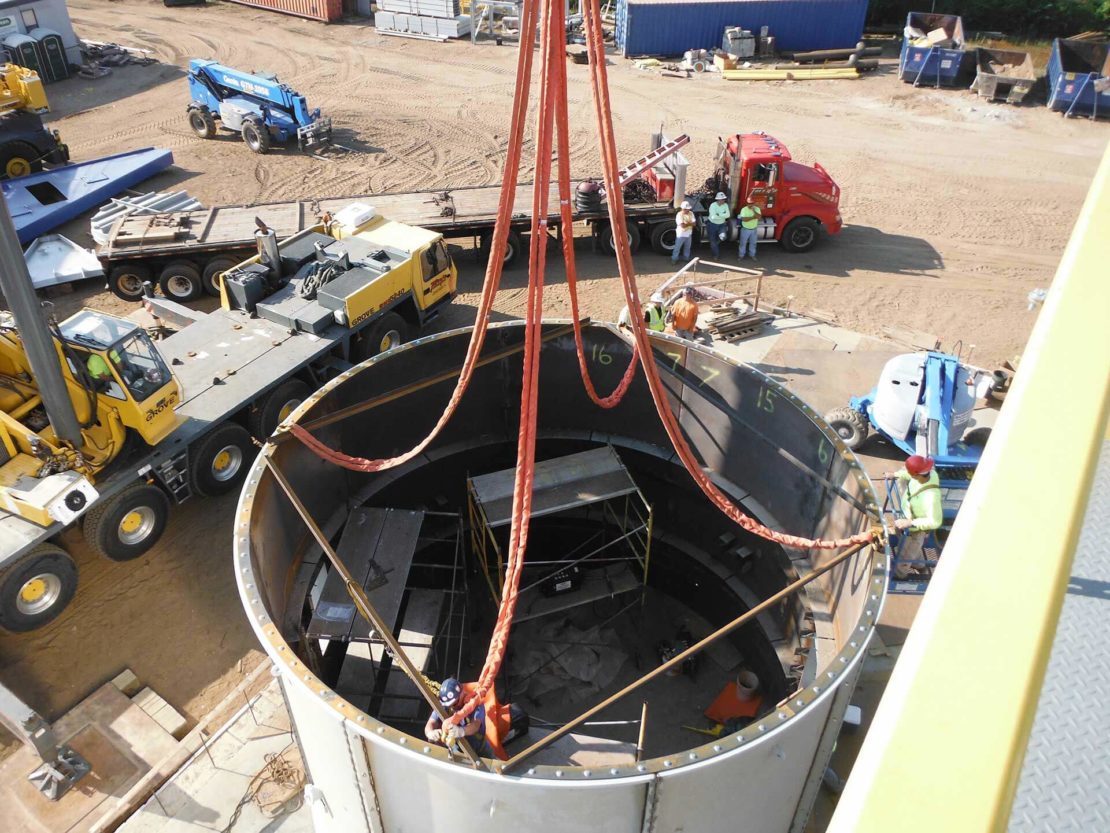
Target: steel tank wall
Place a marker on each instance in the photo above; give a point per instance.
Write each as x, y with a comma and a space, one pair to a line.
766, 447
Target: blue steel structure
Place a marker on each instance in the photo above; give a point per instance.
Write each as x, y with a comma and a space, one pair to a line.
259, 106
42, 201
670, 27
1079, 78
933, 65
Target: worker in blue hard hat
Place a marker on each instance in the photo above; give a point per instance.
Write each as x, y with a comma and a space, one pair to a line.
922, 509
508, 721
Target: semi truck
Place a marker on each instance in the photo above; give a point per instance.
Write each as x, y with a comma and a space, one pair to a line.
186, 251
105, 428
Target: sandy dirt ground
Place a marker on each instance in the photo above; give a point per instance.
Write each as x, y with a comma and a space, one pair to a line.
954, 209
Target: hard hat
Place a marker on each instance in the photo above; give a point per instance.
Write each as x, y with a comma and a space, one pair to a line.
918, 465
721, 195
688, 290
450, 692
686, 205
657, 297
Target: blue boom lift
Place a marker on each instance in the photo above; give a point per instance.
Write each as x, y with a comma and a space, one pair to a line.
922, 404
259, 107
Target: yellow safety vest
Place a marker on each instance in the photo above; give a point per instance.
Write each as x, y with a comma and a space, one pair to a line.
655, 319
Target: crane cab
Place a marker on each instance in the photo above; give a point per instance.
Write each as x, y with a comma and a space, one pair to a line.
129, 376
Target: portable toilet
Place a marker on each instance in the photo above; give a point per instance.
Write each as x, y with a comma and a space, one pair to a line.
52, 54
24, 51
933, 49
1079, 78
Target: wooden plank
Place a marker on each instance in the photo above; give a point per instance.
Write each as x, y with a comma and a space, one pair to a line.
417, 635
335, 612
392, 556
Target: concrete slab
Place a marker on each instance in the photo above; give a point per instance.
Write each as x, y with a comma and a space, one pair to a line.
117, 737
235, 769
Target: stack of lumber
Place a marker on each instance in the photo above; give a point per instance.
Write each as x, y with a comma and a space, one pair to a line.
732, 324
438, 19
789, 74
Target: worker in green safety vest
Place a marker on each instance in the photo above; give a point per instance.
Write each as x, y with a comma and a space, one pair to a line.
654, 316
922, 508
98, 368
750, 216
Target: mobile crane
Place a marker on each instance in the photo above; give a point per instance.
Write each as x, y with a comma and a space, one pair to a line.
256, 105
104, 426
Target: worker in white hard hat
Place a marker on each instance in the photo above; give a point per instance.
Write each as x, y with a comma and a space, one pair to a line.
685, 222
719, 216
654, 316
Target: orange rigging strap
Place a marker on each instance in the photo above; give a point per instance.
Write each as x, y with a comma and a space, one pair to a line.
552, 119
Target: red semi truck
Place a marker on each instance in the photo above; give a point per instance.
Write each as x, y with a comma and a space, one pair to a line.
796, 200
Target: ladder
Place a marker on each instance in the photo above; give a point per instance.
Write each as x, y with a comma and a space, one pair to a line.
645, 163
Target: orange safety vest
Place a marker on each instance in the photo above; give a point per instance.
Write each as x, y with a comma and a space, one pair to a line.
498, 720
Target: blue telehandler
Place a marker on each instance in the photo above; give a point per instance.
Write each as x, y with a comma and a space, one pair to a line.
257, 106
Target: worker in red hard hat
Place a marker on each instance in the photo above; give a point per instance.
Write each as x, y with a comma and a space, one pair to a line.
922, 509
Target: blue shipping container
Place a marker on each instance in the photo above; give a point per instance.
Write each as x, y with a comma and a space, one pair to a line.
670, 27
1074, 67
933, 65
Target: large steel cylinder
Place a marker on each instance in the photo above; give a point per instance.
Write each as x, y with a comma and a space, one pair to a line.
766, 448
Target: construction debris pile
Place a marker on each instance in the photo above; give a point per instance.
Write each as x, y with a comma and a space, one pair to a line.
97, 58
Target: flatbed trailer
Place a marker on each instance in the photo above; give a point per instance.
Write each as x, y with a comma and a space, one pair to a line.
208, 241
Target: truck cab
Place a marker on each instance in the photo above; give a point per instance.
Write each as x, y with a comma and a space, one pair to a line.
796, 200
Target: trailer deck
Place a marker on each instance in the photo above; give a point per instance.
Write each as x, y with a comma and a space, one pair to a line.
452, 212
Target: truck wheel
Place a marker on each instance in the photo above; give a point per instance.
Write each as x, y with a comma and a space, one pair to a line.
256, 136
801, 235
219, 461
512, 247
124, 527
850, 425
36, 589
19, 159
276, 406
180, 281
977, 436
389, 331
662, 238
211, 270
126, 281
202, 123
609, 242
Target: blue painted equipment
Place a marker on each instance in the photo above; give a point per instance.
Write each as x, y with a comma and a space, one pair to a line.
922, 404
1079, 78
258, 106
42, 201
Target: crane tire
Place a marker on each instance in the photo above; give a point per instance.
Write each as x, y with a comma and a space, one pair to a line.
218, 462
126, 525
850, 425
276, 406
36, 588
